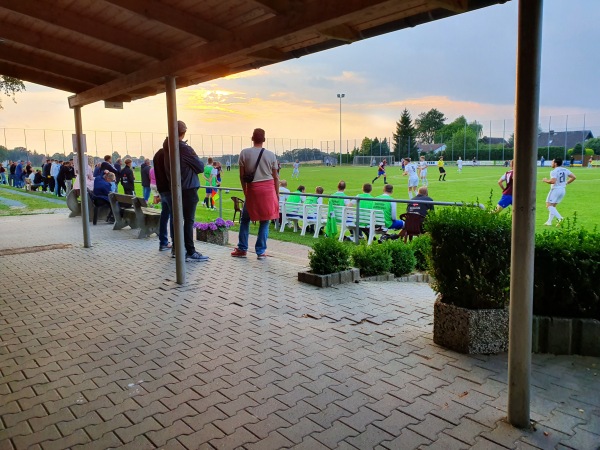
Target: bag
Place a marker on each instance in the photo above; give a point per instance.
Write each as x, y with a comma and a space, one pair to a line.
249, 177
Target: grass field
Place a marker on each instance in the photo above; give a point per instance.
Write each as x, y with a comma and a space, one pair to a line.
474, 184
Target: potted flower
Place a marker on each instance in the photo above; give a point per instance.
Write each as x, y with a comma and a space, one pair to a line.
213, 232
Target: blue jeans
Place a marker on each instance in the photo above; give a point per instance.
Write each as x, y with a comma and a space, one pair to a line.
2, 178
146, 191
56, 186
11, 179
166, 217
261, 239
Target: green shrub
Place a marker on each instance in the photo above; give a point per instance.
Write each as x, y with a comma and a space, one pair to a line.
567, 273
329, 256
403, 257
421, 246
372, 259
470, 256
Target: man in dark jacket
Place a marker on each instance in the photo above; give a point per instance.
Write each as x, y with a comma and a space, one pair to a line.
62, 176
127, 178
163, 186
421, 208
191, 166
46, 175
107, 165
145, 171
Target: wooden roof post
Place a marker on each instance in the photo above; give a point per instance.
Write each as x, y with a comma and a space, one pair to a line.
175, 171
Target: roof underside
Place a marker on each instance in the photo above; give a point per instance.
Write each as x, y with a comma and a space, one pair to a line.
121, 50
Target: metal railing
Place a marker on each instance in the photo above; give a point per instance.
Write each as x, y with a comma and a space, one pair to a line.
355, 199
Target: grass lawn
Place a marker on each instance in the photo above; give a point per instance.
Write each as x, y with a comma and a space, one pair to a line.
474, 184
33, 201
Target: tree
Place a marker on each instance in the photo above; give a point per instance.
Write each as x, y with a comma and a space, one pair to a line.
594, 144
366, 146
9, 86
405, 137
511, 140
428, 124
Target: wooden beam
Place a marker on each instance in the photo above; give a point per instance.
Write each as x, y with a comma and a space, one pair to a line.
269, 54
169, 15
69, 20
247, 40
341, 33
274, 6
456, 6
42, 78
46, 63
55, 45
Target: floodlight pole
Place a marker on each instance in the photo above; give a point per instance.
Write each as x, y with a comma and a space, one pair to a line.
341, 96
529, 46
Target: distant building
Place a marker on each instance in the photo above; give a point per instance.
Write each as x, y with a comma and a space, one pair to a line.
431, 148
493, 141
567, 139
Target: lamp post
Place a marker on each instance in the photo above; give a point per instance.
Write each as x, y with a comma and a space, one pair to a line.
341, 96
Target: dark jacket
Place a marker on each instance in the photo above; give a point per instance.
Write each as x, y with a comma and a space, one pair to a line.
12, 169
97, 171
145, 170
420, 208
101, 188
160, 172
38, 178
127, 177
108, 166
46, 170
191, 165
70, 173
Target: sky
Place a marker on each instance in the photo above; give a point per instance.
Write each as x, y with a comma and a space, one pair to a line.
463, 65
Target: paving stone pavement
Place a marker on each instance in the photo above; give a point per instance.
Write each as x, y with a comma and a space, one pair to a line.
99, 348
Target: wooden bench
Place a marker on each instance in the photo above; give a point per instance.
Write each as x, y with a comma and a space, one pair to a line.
148, 219
123, 216
74, 204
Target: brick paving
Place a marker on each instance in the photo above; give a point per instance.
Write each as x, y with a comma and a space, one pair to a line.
99, 348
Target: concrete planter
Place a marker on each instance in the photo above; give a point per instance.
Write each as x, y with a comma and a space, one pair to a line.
217, 237
383, 277
332, 279
471, 331
566, 336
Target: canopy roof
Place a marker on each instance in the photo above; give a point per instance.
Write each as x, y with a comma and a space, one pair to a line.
120, 50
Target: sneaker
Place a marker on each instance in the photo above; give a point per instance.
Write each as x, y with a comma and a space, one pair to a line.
548, 224
197, 257
237, 253
172, 254
164, 248
261, 256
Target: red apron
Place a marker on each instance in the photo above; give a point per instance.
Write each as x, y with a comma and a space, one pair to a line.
261, 201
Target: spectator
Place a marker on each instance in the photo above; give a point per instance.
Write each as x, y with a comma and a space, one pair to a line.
119, 167
69, 176
314, 200
127, 178
54, 171
191, 166
97, 170
47, 177
283, 191
163, 188
145, 171
103, 185
19, 174
421, 208
37, 180
12, 167
153, 191
107, 165
61, 178
260, 182
2, 174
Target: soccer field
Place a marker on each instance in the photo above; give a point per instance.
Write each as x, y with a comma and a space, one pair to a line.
472, 185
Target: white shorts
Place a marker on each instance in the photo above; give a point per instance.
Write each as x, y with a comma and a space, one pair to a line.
413, 182
556, 195
424, 173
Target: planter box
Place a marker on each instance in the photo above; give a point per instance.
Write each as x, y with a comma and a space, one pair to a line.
217, 237
332, 279
470, 331
566, 336
384, 277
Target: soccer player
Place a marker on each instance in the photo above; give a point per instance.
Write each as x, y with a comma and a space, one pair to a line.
423, 171
381, 171
506, 199
410, 169
440, 164
389, 211
296, 171
459, 163
559, 178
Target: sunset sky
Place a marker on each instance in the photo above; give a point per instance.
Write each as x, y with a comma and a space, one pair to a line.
461, 65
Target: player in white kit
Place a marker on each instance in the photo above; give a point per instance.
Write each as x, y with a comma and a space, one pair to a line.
559, 178
410, 169
459, 163
423, 171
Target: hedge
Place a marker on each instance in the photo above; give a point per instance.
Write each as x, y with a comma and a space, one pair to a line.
329, 256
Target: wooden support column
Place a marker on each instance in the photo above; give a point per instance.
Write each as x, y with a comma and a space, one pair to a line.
81, 156
175, 175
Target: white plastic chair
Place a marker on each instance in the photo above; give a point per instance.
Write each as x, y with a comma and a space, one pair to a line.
314, 214
291, 212
367, 218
